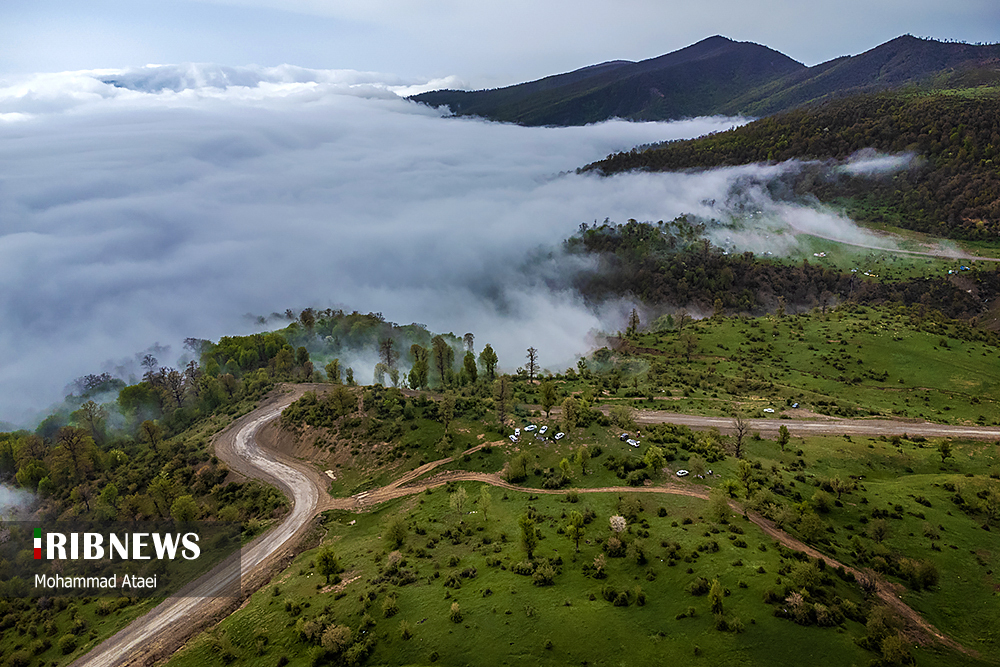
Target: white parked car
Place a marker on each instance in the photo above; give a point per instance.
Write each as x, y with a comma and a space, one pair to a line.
623, 437
543, 430
560, 435
634, 443
530, 427
682, 473
769, 410
795, 405
513, 438
517, 432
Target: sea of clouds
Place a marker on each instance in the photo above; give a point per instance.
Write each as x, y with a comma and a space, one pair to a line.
148, 205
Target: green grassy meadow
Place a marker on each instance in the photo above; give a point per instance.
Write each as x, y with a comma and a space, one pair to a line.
471, 560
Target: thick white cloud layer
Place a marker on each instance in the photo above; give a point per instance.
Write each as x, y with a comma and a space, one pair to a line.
148, 205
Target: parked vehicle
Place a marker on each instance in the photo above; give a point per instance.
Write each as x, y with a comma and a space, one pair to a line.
513, 438
682, 473
543, 430
560, 435
530, 427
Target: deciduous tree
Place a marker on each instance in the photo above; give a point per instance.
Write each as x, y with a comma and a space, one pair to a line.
327, 563
570, 413
529, 535
548, 391
783, 437
576, 528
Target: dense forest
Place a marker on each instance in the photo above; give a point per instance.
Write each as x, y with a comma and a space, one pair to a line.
668, 263
952, 189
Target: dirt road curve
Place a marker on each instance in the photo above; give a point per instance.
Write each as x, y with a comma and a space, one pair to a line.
164, 629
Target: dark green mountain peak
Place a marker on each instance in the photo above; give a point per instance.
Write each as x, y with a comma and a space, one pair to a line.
721, 76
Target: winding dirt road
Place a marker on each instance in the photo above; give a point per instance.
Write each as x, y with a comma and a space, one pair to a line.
164, 629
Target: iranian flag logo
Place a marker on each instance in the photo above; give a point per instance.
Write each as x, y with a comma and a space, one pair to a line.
38, 544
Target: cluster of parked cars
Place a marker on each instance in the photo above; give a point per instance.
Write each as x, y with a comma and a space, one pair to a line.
627, 439
539, 433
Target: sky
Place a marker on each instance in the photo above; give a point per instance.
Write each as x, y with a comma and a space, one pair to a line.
481, 44
140, 205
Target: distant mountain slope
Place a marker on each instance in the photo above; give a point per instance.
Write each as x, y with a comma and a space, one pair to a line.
720, 76
693, 81
901, 61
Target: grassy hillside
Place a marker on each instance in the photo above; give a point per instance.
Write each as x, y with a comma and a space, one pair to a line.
426, 579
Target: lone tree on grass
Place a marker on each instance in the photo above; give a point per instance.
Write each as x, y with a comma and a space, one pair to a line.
944, 449
783, 437
457, 500
575, 529
485, 502
715, 597
529, 535
327, 563
745, 473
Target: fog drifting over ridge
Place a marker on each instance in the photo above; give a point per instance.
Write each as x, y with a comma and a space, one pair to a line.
148, 205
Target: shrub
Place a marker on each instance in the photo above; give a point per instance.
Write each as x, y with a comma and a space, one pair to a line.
67, 643
699, 586
389, 607
405, 630
543, 575
456, 613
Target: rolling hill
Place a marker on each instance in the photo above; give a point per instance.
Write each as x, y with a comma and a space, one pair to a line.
721, 76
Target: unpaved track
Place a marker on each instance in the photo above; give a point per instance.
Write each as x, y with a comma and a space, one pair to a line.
832, 426
156, 635
166, 627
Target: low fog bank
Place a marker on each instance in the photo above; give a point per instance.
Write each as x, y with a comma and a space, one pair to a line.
146, 206
14, 500
150, 205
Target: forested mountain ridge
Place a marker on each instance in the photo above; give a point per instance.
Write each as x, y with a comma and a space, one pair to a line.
720, 76
694, 81
952, 189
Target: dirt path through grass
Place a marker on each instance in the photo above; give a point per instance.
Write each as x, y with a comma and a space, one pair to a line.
163, 630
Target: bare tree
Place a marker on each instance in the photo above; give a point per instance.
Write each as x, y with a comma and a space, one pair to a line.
689, 344
741, 428
93, 416
77, 443
388, 354
469, 340
152, 433
532, 366
633, 324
